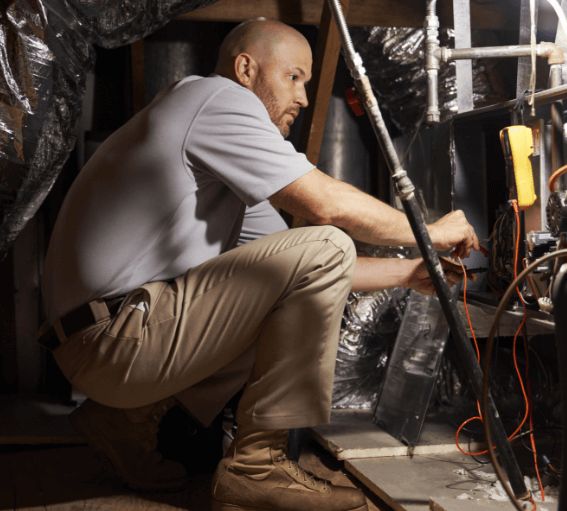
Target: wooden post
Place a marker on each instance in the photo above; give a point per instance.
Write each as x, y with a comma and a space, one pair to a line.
321, 87
324, 69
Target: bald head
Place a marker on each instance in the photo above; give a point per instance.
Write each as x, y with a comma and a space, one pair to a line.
260, 38
272, 60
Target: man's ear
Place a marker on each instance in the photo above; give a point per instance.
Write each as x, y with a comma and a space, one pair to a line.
245, 69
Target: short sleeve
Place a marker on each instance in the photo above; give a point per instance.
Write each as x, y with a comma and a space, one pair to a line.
233, 138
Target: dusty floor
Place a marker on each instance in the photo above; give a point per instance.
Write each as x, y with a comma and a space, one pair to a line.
73, 478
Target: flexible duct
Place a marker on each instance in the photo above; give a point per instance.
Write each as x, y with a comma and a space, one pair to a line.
46, 51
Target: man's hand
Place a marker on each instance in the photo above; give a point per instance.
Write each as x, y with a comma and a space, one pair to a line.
419, 279
453, 232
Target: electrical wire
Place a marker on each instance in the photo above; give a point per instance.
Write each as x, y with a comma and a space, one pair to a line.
553, 178
486, 367
560, 14
531, 420
524, 319
515, 433
529, 407
517, 249
477, 351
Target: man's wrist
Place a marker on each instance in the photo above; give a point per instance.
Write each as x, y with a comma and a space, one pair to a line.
409, 272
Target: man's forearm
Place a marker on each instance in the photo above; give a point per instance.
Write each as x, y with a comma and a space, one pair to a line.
368, 219
322, 200
371, 274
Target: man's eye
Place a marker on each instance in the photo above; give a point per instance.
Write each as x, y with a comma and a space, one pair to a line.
293, 78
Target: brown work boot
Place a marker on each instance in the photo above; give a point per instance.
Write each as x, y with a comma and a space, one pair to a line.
127, 438
260, 477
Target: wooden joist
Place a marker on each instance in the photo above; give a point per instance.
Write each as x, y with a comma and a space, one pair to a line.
396, 13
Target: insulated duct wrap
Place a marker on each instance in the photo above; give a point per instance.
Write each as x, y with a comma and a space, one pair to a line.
370, 325
45, 52
395, 63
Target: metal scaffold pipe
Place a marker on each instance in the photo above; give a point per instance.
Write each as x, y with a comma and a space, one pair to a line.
405, 190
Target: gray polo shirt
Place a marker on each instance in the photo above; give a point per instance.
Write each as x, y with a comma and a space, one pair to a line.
168, 191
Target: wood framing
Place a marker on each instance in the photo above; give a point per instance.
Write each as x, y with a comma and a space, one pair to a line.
321, 87
395, 13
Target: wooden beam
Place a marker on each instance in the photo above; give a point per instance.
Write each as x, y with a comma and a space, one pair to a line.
321, 87
387, 13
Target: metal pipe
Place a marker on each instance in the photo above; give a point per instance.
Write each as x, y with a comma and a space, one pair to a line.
543, 97
405, 190
556, 114
548, 50
432, 65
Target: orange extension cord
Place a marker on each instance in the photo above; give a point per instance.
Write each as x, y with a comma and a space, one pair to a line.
527, 407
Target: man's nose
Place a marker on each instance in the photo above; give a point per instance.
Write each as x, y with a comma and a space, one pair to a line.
301, 99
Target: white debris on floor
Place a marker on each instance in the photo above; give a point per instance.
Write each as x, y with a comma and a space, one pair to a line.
487, 487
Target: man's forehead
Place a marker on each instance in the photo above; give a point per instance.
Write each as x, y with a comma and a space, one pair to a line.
293, 52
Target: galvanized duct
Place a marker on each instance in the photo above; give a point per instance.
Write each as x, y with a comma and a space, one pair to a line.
347, 152
180, 49
46, 53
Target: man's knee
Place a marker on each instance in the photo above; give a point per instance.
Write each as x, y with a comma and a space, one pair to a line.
343, 243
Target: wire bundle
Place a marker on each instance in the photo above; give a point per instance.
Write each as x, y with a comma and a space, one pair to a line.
528, 415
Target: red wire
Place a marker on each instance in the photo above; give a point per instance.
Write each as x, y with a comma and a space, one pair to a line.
527, 407
532, 437
479, 416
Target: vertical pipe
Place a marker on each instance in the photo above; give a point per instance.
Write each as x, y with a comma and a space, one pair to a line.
555, 80
432, 62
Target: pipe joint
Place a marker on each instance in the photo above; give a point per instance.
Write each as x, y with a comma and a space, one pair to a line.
433, 115
444, 54
356, 66
403, 184
555, 54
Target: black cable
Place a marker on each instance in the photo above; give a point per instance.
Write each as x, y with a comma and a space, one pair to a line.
486, 368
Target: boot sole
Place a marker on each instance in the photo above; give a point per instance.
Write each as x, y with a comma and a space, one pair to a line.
221, 506
83, 425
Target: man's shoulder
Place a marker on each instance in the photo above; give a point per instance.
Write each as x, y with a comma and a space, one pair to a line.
216, 95
212, 85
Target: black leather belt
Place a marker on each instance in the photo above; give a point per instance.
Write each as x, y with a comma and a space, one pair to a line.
78, 319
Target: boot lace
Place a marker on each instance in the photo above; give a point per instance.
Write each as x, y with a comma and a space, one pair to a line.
302, 474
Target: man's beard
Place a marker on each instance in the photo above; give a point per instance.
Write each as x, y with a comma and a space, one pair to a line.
273, 108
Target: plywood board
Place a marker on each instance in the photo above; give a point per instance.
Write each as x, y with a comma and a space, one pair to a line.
352, 434
448, 482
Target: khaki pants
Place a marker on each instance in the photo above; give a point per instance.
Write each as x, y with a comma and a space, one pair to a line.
268, 313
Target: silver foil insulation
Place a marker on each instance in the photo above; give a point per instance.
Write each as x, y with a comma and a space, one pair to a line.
394, 60
370, 326
46, 49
